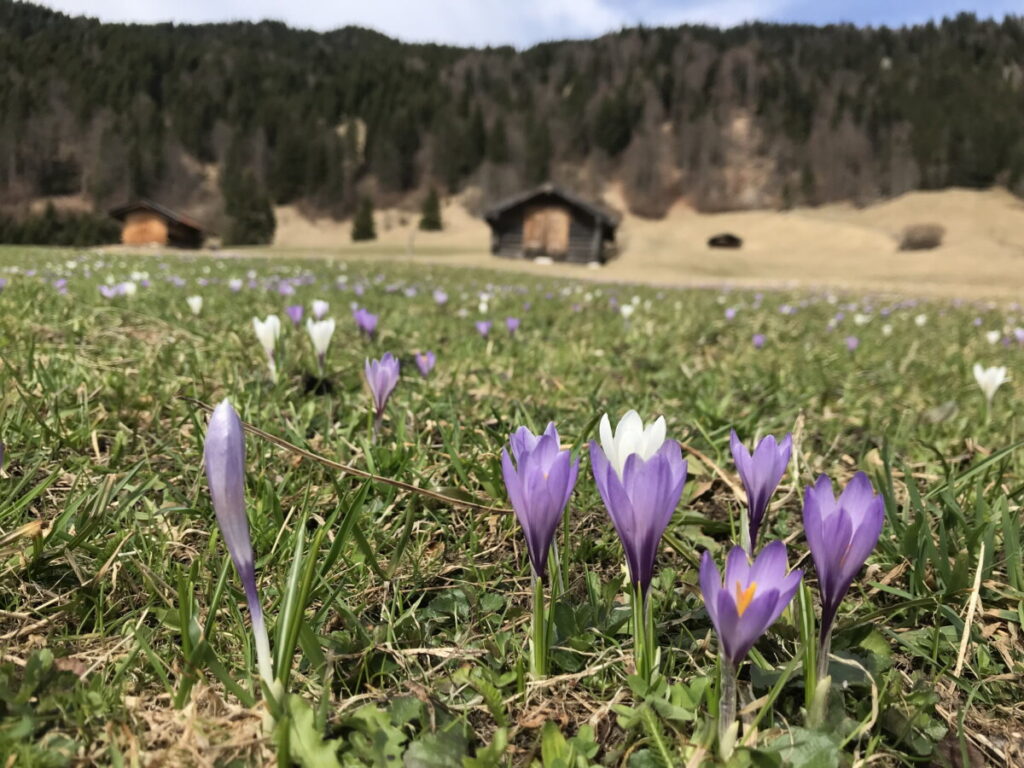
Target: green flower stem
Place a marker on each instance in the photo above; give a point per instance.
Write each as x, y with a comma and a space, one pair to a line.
644, 649
539, 632
726, 705
824, 650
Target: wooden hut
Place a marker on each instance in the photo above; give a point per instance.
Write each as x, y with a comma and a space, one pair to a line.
549, 221
147, 223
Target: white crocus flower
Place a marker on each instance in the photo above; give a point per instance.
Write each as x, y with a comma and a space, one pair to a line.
195, 303
267, 332
993, 337
861, 319
630, 437
130, 288
990, 379
887, 329
627, 310
921, 320
320, 332
320, 308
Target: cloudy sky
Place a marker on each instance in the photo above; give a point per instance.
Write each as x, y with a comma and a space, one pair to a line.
525, 22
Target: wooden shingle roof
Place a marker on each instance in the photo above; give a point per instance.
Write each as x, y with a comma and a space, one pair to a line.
607, 216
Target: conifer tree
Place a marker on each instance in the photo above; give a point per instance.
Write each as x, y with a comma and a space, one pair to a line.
362, 225
430, 221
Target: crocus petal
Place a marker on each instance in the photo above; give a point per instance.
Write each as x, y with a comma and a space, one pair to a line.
710, 584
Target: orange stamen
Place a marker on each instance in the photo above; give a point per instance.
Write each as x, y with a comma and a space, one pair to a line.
744, 596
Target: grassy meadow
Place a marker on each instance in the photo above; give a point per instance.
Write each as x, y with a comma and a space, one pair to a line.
124, 638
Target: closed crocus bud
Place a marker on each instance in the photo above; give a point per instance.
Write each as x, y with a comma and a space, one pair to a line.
195, 303
750, 599
224, 456
294, 312
365, 321
320, 332
761, 473
267, 332
320, 308
539, 478
483, 327
425, 362
640, 477
841, 534
381, 377
512, 325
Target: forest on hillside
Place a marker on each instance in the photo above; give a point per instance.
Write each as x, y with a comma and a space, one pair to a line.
220, 118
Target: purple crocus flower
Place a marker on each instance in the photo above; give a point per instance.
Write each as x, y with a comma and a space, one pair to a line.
108, 291
483, 327
381, 376
751, 598
841, 534
758, 340
285, 289
425, 361
440, 297
366, 321
730, 313
294, 312
3, 283
852, 342
539, 478
640, 476
760, 473
512, 324
224, 456
61, 286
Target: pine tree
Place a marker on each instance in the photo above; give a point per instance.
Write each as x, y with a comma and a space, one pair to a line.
430, 221
476, 142
538, 153
362, 224
247, 205
497, 143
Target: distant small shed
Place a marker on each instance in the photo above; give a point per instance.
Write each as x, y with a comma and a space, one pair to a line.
550, 221
147, 223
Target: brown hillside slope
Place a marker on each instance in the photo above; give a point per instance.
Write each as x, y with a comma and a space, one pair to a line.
836, 245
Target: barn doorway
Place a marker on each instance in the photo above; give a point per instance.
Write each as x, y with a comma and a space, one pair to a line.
546, 230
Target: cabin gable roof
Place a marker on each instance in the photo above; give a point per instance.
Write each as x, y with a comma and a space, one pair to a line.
143, 204
606, 216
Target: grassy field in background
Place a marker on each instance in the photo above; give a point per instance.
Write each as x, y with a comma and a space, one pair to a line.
123, 635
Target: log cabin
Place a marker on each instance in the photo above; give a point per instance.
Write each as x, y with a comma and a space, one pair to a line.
552, 222
147, 223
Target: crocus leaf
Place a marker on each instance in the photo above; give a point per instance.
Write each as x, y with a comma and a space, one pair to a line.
802, 748
307, 744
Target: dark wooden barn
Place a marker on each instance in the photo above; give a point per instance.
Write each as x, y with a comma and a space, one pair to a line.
549, 221
147, 223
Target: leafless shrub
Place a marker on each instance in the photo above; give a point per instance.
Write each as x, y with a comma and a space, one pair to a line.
922, 237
